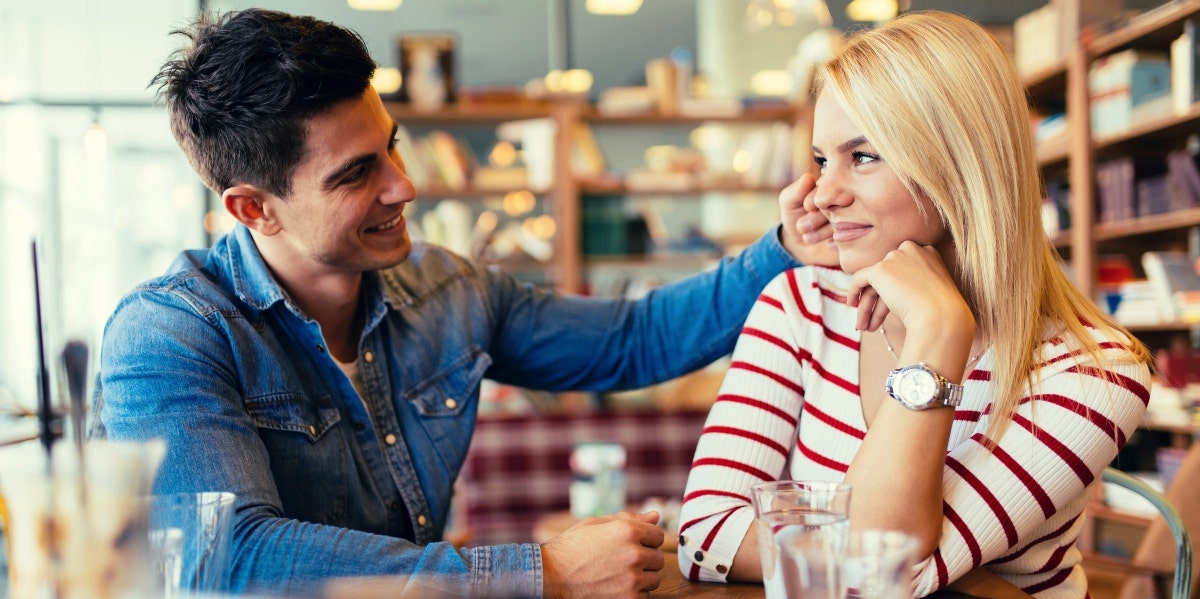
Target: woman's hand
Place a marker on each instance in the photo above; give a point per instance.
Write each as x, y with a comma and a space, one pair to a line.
911, 281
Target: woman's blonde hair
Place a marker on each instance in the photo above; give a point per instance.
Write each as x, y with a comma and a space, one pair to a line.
940, 100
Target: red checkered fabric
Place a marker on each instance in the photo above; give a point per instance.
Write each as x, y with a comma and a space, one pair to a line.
517, 468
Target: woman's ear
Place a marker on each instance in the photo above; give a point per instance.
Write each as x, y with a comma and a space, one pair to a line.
250, 205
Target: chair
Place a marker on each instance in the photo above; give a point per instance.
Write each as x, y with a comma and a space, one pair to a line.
1183, 542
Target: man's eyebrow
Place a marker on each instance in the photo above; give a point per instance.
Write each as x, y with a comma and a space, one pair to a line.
847, 145
331, 180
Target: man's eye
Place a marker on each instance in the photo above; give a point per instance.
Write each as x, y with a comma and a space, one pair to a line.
354, 175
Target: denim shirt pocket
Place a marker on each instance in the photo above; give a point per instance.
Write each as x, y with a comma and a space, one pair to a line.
293, 412
308, 456
447, 393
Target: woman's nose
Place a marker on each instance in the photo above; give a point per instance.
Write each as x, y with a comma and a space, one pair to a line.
829, 191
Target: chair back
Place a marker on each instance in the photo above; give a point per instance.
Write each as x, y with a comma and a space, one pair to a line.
1181, 589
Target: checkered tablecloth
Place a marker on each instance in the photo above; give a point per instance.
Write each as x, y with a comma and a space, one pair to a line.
517, 468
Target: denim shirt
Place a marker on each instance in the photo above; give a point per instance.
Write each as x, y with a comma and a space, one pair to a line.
216, 359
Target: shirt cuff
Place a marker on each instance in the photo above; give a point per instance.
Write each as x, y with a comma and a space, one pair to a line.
508, 571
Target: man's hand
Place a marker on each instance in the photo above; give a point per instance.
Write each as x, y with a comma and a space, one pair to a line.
610, 556
806, 232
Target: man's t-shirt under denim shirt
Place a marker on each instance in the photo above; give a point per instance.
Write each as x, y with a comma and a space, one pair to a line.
214, 358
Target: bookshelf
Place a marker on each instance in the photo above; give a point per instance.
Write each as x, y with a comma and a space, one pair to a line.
1075, 158
567, 194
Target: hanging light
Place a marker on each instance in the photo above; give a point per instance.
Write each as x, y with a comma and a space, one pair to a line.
374, 4
875, 11
95, 140
613, 7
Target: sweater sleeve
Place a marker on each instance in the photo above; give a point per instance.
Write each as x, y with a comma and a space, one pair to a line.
748, 434
1015, 504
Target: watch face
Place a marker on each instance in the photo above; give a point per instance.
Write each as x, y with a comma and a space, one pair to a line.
916, 387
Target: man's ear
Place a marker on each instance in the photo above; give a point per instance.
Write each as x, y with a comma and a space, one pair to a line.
249, 205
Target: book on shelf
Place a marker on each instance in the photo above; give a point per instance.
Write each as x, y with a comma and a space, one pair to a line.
500, 178
1185, 68
587, 158
1176, 284
1184, 180
604, 231
1127, 87
1115, 188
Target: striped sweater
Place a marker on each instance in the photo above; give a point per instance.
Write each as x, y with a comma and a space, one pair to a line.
789, 408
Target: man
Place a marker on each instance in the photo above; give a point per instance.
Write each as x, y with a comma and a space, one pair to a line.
325, 370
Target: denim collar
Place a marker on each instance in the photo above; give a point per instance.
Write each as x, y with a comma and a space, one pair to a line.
256, 286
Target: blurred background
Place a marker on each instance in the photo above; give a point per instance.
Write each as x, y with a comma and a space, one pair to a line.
88, 166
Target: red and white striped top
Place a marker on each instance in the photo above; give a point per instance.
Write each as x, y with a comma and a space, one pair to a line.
789, 408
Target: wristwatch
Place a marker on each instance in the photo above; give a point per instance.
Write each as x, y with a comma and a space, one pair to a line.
917, 387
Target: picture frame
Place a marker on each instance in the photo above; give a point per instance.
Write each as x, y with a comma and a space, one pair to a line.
413, 52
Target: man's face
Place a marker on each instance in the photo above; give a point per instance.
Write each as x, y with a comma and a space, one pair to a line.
345, 212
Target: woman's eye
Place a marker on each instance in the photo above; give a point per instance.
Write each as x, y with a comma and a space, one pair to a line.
820, 160
864, 158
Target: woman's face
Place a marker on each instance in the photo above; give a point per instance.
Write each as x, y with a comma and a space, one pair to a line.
870, 209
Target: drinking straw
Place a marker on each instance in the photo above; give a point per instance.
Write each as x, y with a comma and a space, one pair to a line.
44, 413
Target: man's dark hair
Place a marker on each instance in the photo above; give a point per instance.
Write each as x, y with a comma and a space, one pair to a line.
240, 93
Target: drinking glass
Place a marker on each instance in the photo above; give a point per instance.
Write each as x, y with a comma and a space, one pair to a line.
865, 564
190, 537
789, 507
75, 528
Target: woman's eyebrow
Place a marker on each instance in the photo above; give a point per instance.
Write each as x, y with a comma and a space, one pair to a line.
846, 145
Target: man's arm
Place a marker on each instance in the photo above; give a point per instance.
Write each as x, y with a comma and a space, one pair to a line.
557, 342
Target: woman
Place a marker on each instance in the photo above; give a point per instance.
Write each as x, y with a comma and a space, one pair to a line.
948, 286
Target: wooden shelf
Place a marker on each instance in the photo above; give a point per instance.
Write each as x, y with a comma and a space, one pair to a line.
622, 189
1054, 152
1047, 82
1167, 128
1102, 511
564, 197
1154, 28
1180, 422
751, 115
439, 192
1162, 327
460, 114
1168, 221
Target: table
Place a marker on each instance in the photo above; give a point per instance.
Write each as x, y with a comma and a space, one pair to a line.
674, 585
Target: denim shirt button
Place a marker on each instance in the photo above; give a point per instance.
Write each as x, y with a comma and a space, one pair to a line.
320, 348
451, 404
422, 520
393, 506
390, 439
369, 357
358, 426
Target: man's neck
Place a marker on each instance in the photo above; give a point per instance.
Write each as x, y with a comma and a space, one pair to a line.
333, 299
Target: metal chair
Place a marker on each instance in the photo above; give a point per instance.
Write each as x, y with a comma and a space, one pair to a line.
1182, 586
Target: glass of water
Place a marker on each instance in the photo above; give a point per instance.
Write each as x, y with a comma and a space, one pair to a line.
866, 564
786, 508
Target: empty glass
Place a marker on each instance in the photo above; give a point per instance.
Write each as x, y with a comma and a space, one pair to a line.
190, 537
789, 507
865, 564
